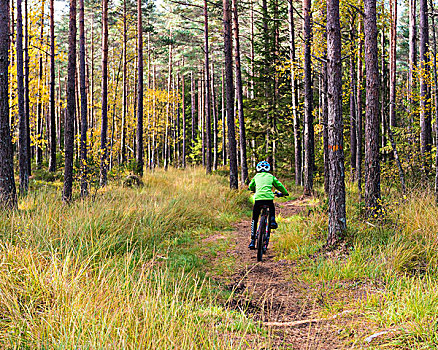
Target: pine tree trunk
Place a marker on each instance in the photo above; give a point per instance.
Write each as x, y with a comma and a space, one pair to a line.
372, 165
183, 100
228, 50
52, 161
425, 115
337, 213
166, 137
383, 93
353, 114
223, 112
125, 88
104, 121
325, 134
308, 101
193, 108
26, 85
207, 94
359, 113
393, 64
8, 196
201, 115
412, 54
215, 121
435, 77
83, 93
239, 95
294, 84
139, 134
70, 111
22, 138
39, 150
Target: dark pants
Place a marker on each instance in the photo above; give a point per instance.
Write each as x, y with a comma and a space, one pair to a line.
256, 213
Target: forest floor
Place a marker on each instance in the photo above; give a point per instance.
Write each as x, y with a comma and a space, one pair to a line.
273, 292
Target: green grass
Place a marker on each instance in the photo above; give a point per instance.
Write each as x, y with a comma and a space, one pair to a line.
125, 270
394, 258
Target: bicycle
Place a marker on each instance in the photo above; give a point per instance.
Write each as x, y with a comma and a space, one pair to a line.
264, 230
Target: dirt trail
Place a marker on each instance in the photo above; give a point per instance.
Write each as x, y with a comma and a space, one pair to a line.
270, 292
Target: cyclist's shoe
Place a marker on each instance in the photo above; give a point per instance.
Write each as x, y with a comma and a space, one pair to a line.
252, 244
273, 223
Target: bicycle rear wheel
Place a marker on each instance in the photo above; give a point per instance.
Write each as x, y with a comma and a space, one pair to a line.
261, 238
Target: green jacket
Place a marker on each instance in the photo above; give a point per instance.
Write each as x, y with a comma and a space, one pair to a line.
262, 184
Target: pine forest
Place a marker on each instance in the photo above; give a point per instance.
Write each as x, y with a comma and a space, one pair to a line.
131, 131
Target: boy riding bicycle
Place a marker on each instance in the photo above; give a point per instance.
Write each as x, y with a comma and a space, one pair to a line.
262, 184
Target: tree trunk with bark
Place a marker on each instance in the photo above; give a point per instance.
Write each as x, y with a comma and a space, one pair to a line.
125, 87
228, 50
294, 84
308, 101
412, 54
39, 150
392, 64
239, 96
208, 142
83, 93
337, 213
193, 109
22, 131
353, 114
104, 121
183, 116
52, 161
435, 77
359, 113
325, 133
215, 121
140, 161
223, 112
26, 85
70, 110
425, 114
8, 195
372, 164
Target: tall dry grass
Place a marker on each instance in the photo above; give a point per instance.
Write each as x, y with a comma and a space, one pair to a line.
394, 256
95, 274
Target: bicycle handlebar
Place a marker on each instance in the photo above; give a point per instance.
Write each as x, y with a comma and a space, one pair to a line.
279, 194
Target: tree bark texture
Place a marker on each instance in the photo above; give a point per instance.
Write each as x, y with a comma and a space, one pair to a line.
359, 112
425, 113
183, 100
353, 114
139, 134
228, 50
308, 101
207, 93
26, 84
372, 165
435, 77
104, 121
294, 84
239, 96
83, 93
392, 64
125, 88
8, 196
215, 121
337, 213
412, 51
52, 161
22, 131
70, 111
